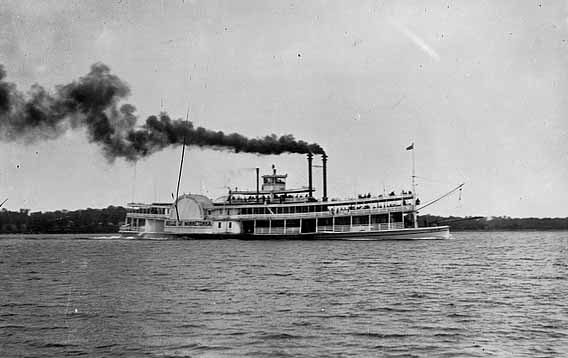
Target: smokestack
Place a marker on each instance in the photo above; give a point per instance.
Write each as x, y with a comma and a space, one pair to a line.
257, 183
310, 187
324, 164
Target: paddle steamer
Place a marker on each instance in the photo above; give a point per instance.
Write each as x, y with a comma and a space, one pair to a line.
273, 211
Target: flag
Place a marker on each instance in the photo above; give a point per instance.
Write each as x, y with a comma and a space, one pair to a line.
410, 147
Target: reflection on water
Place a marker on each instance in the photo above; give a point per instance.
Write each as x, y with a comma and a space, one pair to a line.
480, 294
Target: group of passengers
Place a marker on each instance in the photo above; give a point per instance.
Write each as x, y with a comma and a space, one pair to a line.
265, 199
392, 193
364, 207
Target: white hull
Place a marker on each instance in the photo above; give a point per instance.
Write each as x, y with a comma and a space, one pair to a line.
425, 233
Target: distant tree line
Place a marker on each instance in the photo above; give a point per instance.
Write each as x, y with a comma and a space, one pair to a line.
494, 223
106, 220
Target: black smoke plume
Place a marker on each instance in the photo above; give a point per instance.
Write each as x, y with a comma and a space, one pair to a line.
94, 102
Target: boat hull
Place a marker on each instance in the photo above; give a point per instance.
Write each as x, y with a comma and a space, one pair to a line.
424, 233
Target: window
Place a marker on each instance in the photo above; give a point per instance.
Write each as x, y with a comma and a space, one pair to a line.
230, 224
219, 225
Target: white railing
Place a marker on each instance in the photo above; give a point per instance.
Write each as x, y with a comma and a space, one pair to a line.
319, 214
189, 229
128, 227
342, 228
330, 228
292, 230
147, 216
277, 230
322, 228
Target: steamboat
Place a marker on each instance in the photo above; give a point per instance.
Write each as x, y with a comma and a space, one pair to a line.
273, 211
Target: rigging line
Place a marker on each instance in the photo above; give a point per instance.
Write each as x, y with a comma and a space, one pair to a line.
442, 197
432, 180
3, 202
181, 166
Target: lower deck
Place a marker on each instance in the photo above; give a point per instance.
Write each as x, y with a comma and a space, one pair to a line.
270, 226
334, 224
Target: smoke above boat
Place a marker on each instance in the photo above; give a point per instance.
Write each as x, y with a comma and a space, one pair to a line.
94, 102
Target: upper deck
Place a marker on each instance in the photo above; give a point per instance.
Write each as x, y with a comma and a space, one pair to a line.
364, 205
153, 210
274, 200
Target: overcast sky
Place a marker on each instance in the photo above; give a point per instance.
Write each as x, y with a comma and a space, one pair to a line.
479, 86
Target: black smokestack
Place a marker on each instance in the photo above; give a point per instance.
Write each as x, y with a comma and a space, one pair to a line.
310, 186
324, 169
257, 184
94, 102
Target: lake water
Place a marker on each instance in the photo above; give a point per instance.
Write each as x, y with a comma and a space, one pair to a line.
480, 294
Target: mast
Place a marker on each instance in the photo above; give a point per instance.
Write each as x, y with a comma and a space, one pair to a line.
414, 196
181, 166
414, 216
413, 172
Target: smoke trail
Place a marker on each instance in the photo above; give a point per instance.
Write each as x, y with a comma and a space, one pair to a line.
93, 102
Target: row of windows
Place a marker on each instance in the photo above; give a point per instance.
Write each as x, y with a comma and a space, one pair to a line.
195, 223
308, 209
135, 221
282, 210
290, 209
347, 220
156, 211
188, 223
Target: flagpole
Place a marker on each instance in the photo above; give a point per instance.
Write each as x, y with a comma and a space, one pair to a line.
413, 171
414, 187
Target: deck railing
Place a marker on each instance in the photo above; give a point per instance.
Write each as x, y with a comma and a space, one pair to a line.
147, 216
330, 228
320, 214
128, 227
277, 230
362, 227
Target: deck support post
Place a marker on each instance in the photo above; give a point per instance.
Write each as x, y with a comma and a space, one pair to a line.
415, 219
388, 221
284, 227
369, 222
254, 225
333, 223
300, 225
351, 223
269, 226
316, 224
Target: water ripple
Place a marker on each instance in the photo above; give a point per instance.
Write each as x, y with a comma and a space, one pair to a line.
481, 294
